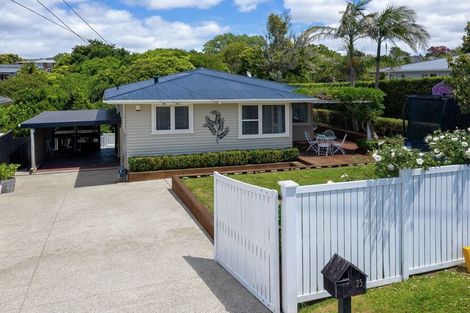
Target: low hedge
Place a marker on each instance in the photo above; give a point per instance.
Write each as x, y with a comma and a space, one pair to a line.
211, 159
384, 126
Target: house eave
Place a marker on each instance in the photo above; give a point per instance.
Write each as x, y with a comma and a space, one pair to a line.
183, 101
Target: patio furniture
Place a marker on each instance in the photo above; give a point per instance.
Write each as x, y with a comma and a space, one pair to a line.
314, 126
338, 146
329, 134
311, 142
323, 144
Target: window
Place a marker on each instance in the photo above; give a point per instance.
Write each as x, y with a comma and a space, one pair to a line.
172, 118
300, 112
263, 120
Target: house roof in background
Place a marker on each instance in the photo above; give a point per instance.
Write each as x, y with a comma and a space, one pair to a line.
437, 65
203, 85
50, 119
5, 100
9, 68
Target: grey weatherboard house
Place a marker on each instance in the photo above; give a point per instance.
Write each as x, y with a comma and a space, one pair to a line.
205, 110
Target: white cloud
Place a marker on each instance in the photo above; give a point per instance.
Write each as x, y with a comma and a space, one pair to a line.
29, 35
173, 4
445, 20
248, 5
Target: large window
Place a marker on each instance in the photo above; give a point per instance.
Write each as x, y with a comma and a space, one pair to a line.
172, 118
263, 120
300, 112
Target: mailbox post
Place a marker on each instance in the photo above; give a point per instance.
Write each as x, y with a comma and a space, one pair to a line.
343, 280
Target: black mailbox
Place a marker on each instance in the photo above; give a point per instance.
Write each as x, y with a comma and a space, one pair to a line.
342, 279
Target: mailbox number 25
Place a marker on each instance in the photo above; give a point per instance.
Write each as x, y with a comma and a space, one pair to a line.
359, 283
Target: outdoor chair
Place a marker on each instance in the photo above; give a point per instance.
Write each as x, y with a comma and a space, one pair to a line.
311, 142
338, 146
314, 126
323, 144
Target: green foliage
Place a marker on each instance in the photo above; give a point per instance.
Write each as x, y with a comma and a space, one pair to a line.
366, 145
96, 49
396, 91
9, 58
8, 170
221, 42
211, 159
361, 103
460, 81
446, 148
386, 126
466, 39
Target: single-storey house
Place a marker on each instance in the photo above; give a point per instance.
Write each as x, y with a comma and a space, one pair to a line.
204, 110
433, 68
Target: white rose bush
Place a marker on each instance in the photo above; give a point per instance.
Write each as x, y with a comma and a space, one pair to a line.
445, 148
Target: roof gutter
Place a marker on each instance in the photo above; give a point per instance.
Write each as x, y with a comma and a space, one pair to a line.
295, 100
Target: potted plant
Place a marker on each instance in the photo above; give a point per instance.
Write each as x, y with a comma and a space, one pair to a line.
7, 177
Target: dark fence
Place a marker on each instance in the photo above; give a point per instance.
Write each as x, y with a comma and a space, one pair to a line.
6, 147
15, 149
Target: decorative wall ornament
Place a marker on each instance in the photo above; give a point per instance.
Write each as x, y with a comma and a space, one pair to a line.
216, 126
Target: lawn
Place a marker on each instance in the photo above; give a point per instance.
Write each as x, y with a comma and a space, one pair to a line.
203, 187
445, 291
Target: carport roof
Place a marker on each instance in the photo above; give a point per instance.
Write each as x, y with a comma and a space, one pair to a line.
50, 119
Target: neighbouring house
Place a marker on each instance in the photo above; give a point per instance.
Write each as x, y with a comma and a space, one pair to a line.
205, 110
5, 100
8, 70
433, 68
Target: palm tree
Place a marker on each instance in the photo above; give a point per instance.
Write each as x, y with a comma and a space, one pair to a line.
350, 29
395, 23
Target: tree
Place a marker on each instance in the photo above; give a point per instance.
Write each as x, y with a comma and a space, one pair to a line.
220, 42
466, 39
460, 80
439, 51
351, 28
9, 58
96, 49
395, 23
397, 57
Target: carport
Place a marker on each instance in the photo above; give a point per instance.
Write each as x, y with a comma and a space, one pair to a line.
73, 137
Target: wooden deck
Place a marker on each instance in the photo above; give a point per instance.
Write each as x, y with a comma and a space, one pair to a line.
313, 160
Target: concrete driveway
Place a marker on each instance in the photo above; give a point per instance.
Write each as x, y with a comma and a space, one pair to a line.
76, 242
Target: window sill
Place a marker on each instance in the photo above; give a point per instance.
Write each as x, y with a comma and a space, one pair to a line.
172, 132
263, 136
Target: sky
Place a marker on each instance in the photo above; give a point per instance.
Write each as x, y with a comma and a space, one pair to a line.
140, 25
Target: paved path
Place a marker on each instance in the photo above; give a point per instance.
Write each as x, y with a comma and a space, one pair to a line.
75, 243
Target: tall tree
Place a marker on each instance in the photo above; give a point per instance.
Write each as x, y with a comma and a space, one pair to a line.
466, 39
395, 23
351, 28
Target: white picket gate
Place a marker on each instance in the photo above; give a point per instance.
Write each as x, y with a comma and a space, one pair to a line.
246, 237
107, 140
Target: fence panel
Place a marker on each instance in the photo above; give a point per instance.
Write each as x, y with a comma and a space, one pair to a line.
440, 213
107, 140
247, 237
358, 220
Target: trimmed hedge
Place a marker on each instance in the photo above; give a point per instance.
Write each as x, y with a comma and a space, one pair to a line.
396, 91
211, 159
384, 126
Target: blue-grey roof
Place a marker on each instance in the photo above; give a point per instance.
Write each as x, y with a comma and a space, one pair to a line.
9, 68
437, 65
202, 84
50, 119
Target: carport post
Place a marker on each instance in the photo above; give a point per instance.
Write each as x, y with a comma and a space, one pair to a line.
33, 151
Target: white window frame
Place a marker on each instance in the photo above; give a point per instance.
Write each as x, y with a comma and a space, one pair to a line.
260, 121
172, 129
309, 115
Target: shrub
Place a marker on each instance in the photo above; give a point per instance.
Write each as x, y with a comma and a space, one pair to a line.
446, 148
8, 170
396, 91
386, 126
460, 81
211, 159
367, 145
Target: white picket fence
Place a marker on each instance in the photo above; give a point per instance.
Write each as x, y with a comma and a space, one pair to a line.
390, 228
107, 140
246, 237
